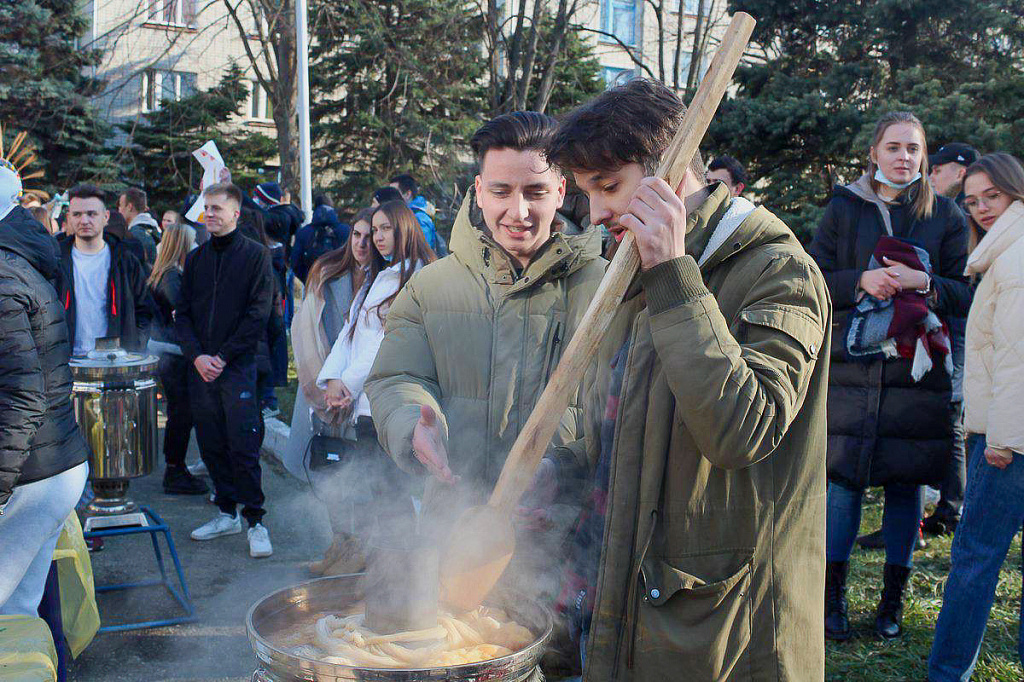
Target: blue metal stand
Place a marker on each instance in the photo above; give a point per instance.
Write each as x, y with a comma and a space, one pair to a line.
182, 597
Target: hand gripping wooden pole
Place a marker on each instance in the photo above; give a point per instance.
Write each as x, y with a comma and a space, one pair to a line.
482, 541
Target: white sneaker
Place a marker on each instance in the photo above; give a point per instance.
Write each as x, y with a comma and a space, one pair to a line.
198, 469
259, 541
224, 524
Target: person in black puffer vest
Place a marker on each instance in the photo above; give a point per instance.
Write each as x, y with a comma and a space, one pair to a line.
43, 455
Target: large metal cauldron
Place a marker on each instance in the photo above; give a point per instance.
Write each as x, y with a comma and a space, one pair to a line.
114, 395
303, 604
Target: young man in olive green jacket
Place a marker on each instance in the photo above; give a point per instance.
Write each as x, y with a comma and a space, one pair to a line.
705, 422
472, 339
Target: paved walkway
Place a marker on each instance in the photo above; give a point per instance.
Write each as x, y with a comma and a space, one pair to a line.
223, 579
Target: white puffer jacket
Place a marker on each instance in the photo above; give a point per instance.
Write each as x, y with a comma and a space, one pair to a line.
994, 371
353, 352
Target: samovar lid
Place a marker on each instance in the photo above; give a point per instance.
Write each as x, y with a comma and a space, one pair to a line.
108, 356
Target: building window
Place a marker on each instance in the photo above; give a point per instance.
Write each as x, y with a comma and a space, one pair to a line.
618, 17
160, 86
689, 6
173, 12
614, 76
261, 107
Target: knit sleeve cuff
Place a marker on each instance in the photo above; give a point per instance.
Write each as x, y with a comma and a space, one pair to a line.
673, 283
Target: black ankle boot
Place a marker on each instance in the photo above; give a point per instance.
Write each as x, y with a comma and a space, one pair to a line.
178, 481
837, 624
889, 616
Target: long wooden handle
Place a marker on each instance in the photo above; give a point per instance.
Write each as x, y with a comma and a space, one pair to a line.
529, 447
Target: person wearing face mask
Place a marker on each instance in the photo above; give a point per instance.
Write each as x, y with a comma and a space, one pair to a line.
331, 285
382, 501
472, 340
994, 393
889, 418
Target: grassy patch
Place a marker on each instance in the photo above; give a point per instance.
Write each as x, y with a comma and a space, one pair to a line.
867, 658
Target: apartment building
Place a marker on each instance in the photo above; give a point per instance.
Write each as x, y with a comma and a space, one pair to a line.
167, 49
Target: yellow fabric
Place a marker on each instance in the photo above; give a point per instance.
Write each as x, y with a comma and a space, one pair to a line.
27, 653
77, 590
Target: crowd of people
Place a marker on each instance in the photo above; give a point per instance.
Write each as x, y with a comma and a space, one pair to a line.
748, 392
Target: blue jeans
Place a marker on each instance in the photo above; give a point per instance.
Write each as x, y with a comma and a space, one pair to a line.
901, 520
993, 514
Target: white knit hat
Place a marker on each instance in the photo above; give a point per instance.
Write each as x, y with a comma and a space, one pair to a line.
10, 187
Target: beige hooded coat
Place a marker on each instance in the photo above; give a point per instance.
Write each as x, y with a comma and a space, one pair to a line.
994, 370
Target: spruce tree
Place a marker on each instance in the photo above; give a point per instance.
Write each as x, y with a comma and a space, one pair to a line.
45, 90
396, 87
159, 157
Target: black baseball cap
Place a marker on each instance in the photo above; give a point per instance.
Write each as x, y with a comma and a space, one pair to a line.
954, 152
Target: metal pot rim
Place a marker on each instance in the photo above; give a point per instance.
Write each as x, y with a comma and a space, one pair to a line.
526, 658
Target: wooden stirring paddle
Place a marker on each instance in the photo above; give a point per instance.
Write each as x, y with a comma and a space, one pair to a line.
482, 541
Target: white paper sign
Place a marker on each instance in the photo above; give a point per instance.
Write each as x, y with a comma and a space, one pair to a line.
213, 165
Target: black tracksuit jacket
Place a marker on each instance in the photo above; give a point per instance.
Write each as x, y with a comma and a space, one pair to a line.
226, 292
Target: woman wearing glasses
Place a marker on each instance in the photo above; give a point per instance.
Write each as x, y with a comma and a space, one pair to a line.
994, 397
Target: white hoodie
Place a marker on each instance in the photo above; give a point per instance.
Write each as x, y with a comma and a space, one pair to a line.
353, 352
994, 370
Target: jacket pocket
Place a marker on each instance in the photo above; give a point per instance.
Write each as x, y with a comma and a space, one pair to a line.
692, 625
791, 321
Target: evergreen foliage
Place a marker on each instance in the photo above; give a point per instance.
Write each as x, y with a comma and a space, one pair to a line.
396, 87
801, 121
159, 158
44, 90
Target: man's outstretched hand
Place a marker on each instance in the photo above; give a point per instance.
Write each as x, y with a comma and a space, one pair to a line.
428, 446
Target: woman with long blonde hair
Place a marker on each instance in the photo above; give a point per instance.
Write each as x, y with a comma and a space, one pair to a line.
165, 286
890, 420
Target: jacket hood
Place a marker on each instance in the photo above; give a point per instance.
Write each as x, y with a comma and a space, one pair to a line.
703, 233
20, 233
1007, 230
420, 204
144, 219
561, 256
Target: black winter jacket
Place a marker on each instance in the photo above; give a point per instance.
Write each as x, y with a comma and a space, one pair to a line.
226, 293
129, 305
166, 294
39, 437
883, 427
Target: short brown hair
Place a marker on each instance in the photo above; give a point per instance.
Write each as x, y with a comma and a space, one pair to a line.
519, 130
631, 123
226, 189
136, 198
87, 192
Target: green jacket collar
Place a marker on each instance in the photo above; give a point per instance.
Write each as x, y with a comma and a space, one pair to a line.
754, 231
561, 256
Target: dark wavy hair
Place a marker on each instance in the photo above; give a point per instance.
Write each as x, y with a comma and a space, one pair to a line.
336, 263
631, 123
519, 130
